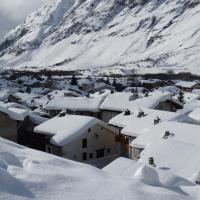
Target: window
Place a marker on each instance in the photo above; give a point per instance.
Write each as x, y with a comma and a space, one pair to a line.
91, 155
89, 130
108, 151
84, 143
49, 150
84, 156
99, 153
96, 135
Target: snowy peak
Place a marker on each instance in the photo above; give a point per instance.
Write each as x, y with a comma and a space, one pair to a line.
146, 35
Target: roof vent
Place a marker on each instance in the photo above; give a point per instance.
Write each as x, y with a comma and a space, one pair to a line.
112, 91
166, 135
127, 112
141, 113
49, 96
151, 162
62, 113
146, 94
157, 120
65, 94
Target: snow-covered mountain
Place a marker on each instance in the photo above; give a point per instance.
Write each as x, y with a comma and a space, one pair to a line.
107, 35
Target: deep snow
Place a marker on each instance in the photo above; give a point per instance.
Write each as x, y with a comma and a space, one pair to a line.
107, 36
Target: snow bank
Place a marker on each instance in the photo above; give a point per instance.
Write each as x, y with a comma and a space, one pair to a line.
37, 175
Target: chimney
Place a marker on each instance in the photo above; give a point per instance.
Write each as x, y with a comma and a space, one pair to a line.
127, 112
151, 162
166, 135
62, 113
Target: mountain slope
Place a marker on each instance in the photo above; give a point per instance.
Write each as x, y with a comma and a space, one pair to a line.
147, 35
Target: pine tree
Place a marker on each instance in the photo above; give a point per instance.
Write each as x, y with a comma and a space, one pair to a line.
108, 81
181, 96
28, 90
114, 82
73, 80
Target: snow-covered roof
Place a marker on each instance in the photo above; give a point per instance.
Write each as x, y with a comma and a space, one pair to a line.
171, 89
125, 167
190, 106
123, 120
25, 96
195, 114
150, 81
118, 101
187, 133
31, 174
130, 89
138, 125
75, 103
36, 118
153, 100
4, 95
174, 156
196, 91
36, 102
188, 96
15, 113
30, 82
65, 129
186, 84
40, 90
101, 93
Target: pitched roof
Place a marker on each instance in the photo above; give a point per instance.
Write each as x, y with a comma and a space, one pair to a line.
65, 129
187, 133
75, 103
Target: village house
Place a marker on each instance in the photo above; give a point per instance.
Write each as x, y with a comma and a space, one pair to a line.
131, 123
172, 130
11, 117
4, 95
85, 84
159, 101
116, 103
174, 156
79, 138
195, 116
151, 83
26, 135
89, 106
19, 97
187, 85
136, 89
100, 86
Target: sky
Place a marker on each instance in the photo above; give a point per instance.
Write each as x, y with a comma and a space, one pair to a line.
13, 12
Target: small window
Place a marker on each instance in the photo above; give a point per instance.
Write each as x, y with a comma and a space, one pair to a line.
84, 143
91, 155
108, 151
99, 153
89, 130
49, 149
84, 156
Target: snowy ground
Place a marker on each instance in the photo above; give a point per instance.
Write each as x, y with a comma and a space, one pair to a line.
30, 174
